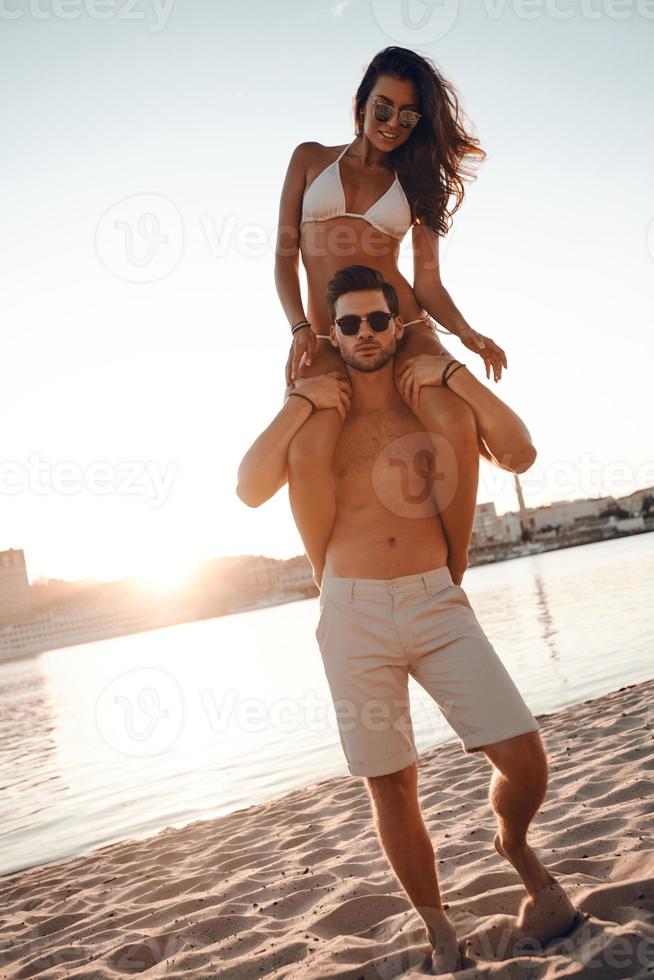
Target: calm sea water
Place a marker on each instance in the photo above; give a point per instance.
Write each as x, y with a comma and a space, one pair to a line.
120, 738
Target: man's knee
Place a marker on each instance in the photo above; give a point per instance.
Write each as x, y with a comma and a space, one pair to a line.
459, 418
312, 448
523, 755
306, 454
393, 784
452, 416
302, 454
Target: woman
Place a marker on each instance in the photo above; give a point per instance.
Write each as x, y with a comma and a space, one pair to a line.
339, 207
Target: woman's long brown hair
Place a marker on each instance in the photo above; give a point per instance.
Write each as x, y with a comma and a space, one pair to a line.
440, 154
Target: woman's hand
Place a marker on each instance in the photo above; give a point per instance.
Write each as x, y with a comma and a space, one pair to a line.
302, 347
423, 369
331, 390
487, 349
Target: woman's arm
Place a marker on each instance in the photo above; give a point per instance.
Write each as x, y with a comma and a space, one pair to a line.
287, 250
287, 279
427, 284
434, 297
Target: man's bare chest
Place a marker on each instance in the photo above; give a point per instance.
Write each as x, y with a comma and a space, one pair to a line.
387, 445
388, 458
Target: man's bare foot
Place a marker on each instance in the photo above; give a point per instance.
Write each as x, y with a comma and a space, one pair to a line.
445, 955
547, 912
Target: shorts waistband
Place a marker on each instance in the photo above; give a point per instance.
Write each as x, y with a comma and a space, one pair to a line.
422, 582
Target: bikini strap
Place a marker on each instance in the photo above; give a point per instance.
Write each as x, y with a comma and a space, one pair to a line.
348, 147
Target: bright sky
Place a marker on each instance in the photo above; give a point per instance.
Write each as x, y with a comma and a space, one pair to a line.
143, 343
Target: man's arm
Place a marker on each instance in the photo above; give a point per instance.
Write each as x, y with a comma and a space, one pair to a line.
498, 425
263, 469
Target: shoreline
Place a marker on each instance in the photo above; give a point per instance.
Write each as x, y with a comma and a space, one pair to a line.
299, 596
298, 886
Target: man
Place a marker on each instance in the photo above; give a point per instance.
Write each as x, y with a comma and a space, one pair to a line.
389, 606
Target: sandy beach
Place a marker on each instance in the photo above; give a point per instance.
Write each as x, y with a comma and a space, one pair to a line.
298, 887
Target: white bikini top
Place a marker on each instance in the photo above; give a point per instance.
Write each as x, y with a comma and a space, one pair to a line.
324, 198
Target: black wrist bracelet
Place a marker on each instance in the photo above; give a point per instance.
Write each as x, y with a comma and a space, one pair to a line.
445, 369
453, 371
300, 395
299, 325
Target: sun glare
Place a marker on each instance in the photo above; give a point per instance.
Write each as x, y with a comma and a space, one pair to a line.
168, 574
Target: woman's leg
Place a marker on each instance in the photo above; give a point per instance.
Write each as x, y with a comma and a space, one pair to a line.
310, 484
443, 412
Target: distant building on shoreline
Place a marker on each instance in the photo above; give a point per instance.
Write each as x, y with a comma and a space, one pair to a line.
561, 524
15, 592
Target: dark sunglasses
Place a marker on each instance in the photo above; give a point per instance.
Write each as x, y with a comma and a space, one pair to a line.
383, 112
350, 323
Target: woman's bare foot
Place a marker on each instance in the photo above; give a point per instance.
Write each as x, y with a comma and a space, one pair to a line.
547, 912
445, 956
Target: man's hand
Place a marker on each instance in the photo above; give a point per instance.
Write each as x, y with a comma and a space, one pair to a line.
493, 356
423, 369
331, 390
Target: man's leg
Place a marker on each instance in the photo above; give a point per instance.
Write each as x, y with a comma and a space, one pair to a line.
310, 485
406, 843
517, 789
452, 420
455, 662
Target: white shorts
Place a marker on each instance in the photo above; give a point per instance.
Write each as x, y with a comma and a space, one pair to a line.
373, 633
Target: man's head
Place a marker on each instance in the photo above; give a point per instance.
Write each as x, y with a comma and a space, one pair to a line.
357, 290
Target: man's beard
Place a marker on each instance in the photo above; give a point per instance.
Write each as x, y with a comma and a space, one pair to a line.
368, 362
